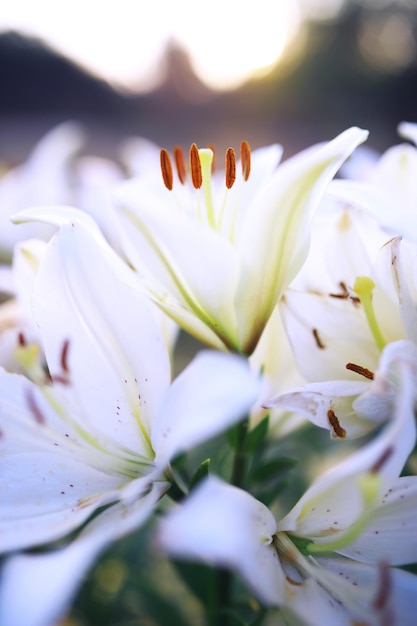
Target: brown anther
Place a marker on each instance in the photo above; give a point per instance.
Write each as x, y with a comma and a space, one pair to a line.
318, 340
64, 356
21, 340
166, 169
180, 164
195, 167
335, 424
245, 159
344, 293
230, 168
33, 407
382, 460
212, 147
385, 586
363, 371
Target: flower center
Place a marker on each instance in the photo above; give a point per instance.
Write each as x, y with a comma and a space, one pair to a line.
201, 165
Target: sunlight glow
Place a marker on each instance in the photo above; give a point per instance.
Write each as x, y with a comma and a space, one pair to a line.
124, 41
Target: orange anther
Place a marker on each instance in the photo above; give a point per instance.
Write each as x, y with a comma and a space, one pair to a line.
166, 169
180, 164
195, 167
230, 167
245, 159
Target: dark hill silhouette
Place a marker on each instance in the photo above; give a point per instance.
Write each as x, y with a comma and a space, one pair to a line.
35, 79
329, 90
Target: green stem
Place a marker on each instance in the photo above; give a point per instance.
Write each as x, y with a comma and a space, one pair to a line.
239, 463
224, 576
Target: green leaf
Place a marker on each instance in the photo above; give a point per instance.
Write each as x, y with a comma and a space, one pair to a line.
271, 469
256, 436
161, 610
202, 472
200, 579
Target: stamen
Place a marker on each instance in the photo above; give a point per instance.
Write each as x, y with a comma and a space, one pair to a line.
364, 287
64, 356
195, 167
180, 164
358, 369
382, 460
245, 159
21, 340
385, 585
319, 342
166, 169
335, 424
213, 163
33, 407
230, 169
344, 294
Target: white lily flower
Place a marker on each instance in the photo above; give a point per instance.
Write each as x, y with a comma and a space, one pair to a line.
389, 192
42, 179
219, 254
329, 560
101, 429
337, 337
350, 409
16, 319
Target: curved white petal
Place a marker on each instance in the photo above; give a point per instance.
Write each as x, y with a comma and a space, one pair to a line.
389, 595
211, 394
116, 362
315, 400
49, 581
56, 215
275, 240
308, 604
391, 535
222, 525
191, 261
42, 179
51, 480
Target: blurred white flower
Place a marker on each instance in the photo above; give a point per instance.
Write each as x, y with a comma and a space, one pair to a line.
44, 178
389, 190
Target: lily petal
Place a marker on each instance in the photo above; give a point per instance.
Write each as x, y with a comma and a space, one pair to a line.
211, 394
222, 525
275, 240
119, 379
192, 262
49, 581
391, 536
390, 594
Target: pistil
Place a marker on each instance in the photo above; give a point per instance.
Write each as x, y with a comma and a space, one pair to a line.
364, 287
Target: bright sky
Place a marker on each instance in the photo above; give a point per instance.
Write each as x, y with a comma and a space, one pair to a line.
124, 40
